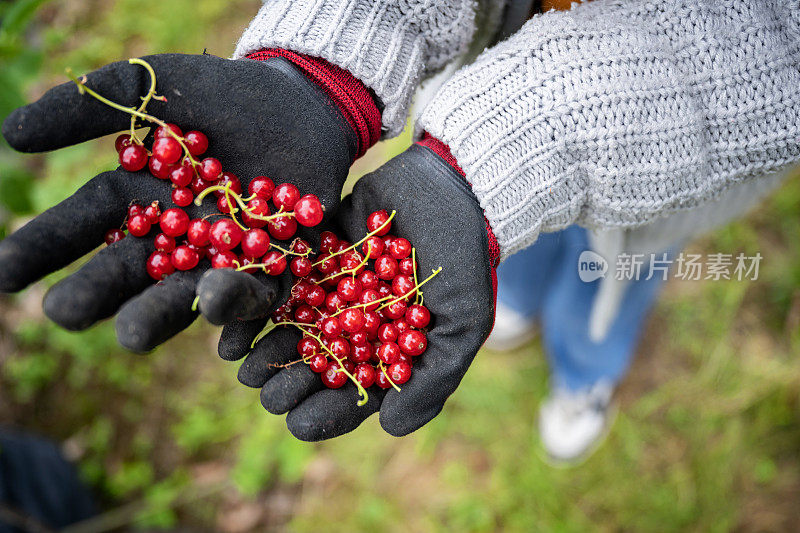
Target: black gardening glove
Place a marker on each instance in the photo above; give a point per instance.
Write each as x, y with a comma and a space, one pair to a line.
261, 118
439, 214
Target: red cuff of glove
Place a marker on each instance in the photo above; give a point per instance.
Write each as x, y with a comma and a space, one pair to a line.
443, 151
351, 96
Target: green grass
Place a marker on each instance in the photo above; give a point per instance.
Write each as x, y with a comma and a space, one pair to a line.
707, 436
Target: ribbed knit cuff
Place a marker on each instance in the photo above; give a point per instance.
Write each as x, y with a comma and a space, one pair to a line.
443, 151
349, 94
386, 44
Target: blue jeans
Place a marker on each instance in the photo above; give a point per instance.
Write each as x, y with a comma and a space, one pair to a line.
542, 282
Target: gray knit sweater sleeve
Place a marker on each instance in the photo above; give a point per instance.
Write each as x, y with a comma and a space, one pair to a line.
622, 111
387, 44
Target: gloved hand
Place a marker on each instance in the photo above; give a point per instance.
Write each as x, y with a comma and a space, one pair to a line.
261, 118
439, 214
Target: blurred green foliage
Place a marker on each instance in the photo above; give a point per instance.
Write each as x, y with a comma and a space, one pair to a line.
707, 438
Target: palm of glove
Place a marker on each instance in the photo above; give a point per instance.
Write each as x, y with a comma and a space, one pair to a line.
439, 214
262, 118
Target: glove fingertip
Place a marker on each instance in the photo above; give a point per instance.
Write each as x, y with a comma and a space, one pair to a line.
398, 420
331, 413
14, 131
236, 338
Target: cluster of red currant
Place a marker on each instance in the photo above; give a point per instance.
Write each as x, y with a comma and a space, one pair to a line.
228, 243
360, 308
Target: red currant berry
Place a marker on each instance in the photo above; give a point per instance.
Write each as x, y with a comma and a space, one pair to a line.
396, 309
334, 302
164, 243
245, 264
276, 263
359, 338
387, 333
138, 226
232, 181
307, 347
381, 380
184, 258
406, 266
328, 241
418, 316
401, 325
305, 315
352, 320
161, 132
174, 222
196, 142
299, 246
167, 150
349, 289
210, 169
399, 373
386, 267
159, 266
182, 197
308, 211
133, 158
222, 205
262, 187
225, 235
182, 175
331, 327
123, 141
377, 220
352, 261
365, 375
199, 232
301, 266
198, 185
153, 213
340, 347
400, 248
384, 289
318, 363
135, 209
283, 314
405, 358
327, 265
388, 353
282, 228
114, 235
372, 247
257, 207
255, 243
286, 196
367, 297
371, 322
333, 377
403, 285
412, 342
225, 259
159, 169
368, 279
361, 353
315, 296
300, 290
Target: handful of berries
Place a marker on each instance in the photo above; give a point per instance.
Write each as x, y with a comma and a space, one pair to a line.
221, 237
359, 306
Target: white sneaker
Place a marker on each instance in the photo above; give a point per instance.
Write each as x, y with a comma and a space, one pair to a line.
511, 330
574, 423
